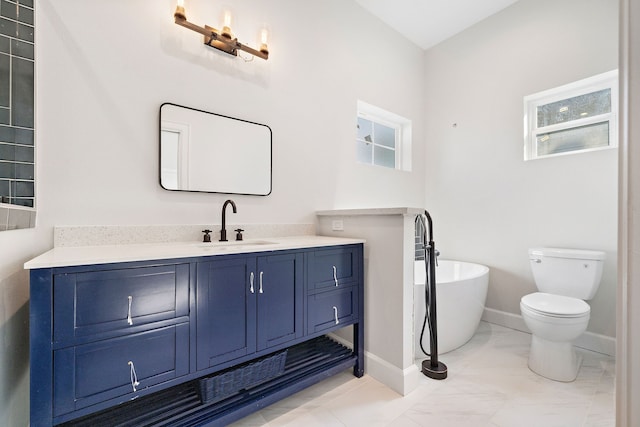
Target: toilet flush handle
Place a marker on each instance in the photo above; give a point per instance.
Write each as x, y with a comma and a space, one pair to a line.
537, 260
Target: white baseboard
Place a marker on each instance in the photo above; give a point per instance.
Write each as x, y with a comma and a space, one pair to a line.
402, 381
589, 340
399, 380
339, 339
502, 318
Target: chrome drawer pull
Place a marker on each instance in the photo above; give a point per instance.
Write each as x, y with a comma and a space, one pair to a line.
335, 274
251, 282
133, 376
129, 319
260, 290
335, 314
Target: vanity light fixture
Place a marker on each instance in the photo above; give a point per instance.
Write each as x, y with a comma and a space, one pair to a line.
222, 40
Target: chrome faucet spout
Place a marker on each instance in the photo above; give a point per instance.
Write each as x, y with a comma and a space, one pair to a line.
223, 231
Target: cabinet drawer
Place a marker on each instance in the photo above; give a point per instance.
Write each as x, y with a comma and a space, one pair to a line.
332, 267
92, 373
331, 310
99, 301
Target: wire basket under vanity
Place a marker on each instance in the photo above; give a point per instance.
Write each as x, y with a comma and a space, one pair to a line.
236, 379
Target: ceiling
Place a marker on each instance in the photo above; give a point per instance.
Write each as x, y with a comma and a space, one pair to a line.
428, 22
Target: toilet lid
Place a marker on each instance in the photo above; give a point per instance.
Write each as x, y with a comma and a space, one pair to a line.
555, 305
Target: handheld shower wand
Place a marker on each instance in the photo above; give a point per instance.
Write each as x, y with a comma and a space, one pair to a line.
432, 368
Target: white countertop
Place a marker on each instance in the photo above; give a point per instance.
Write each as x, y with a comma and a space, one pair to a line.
105, 254
371, 211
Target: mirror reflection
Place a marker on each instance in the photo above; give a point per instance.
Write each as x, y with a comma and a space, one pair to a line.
208, 152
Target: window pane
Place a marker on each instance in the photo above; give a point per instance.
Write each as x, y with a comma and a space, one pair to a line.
365, 130
578, 107
384, 157
364, 152
579, 138
384, 135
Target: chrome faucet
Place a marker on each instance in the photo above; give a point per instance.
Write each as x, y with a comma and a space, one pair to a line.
223, 232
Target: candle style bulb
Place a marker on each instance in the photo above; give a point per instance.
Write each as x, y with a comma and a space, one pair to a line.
264, 39
180, 13
226, 25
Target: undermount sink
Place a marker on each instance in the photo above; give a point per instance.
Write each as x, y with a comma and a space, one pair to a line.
236, 244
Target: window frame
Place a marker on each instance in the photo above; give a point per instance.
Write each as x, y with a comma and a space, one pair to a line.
608, 80
397, 146
402, 128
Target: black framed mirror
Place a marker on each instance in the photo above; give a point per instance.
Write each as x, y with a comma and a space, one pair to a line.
207, 152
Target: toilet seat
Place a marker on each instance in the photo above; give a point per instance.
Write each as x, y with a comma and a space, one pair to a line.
558, 306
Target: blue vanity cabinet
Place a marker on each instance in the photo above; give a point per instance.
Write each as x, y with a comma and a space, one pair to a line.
136, 343
247, 305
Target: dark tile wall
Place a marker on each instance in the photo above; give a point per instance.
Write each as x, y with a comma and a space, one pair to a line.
17, 102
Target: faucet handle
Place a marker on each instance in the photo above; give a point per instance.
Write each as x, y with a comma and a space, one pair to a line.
239, 233
206, 238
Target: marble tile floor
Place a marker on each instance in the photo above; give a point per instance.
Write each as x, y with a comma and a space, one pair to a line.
489, 384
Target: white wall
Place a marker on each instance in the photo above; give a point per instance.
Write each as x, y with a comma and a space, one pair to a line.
100, 91
488, 205
103, 70
15, 248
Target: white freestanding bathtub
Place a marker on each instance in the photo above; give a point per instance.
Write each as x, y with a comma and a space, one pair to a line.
461, 292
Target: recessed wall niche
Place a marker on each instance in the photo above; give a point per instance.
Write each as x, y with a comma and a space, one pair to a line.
17, 105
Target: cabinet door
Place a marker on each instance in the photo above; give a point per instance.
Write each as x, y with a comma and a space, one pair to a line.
225, 325
280, 287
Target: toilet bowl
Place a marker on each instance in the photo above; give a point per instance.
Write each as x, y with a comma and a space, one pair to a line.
558, 314
554, 321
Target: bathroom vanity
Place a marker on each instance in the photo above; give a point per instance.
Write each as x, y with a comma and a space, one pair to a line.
188, 333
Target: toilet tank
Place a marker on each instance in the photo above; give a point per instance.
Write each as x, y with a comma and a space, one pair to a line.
570, 272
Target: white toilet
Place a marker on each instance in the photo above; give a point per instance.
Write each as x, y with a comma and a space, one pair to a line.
558, 314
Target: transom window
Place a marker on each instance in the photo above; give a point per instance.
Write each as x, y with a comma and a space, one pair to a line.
577, 117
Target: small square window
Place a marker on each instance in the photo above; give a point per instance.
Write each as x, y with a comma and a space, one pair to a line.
376, 143
577, 117
382, 138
